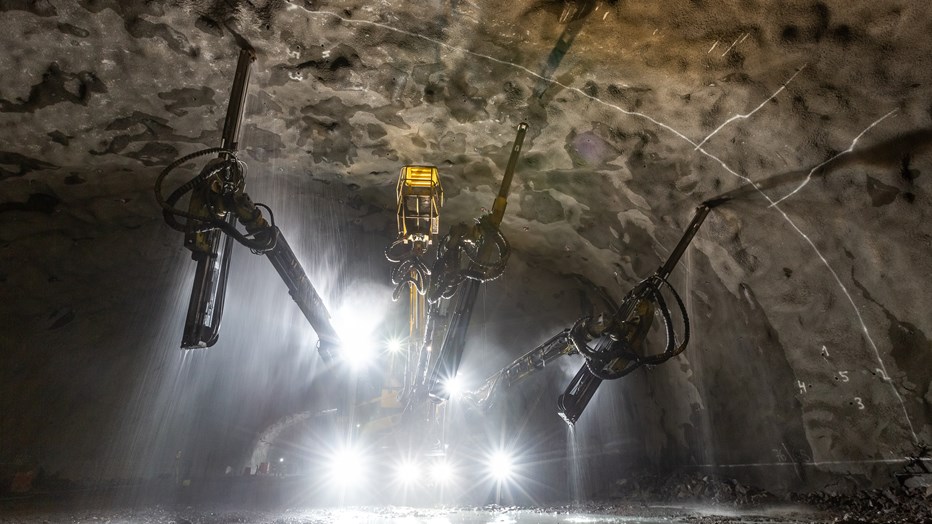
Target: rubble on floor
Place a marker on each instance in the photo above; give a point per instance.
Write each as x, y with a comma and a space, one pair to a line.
894, 503
891, 504
688, 487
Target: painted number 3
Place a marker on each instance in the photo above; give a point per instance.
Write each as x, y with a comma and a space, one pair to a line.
859, 402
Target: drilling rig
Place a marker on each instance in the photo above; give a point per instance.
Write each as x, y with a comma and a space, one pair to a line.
441, 296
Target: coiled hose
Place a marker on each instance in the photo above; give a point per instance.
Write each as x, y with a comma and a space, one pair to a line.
200, 223
598, 359
448, 272
409, 269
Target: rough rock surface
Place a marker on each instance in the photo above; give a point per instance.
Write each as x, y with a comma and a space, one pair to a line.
811, 354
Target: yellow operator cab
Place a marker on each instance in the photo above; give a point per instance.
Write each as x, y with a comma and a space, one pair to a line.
420, 197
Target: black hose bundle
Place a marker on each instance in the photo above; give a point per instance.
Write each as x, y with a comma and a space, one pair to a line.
458, 259
169, 211
409, 269
200, 223
617, 347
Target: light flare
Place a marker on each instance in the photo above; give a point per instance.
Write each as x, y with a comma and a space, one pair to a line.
501, 466
441, 472
395, 345
455, 386
356, 324
408, 473
347, 466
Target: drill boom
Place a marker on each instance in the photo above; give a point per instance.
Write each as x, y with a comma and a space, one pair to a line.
521, 368
302, 291
217, 203
621, 353
454, 341
212, 249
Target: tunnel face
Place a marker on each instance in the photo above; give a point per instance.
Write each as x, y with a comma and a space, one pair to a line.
808, 293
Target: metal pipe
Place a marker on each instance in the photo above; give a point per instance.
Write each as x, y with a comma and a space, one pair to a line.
302, 291
454, 341
701, 212
231, 124
501, 201
212, 250
205, 307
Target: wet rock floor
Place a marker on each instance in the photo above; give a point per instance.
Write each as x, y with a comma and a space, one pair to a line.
677, 499
607, 513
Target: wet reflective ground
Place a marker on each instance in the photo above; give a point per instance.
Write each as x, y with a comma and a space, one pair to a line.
404, 515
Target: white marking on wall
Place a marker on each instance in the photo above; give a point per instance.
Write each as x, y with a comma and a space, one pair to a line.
749, 115
835, 157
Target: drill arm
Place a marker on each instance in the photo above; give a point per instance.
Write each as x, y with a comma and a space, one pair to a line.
612, 344
619, 349
522, 367
563, 343
283, 259
217, 202
210, 249
487, 239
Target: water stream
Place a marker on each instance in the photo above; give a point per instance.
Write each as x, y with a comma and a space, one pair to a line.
576, 481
